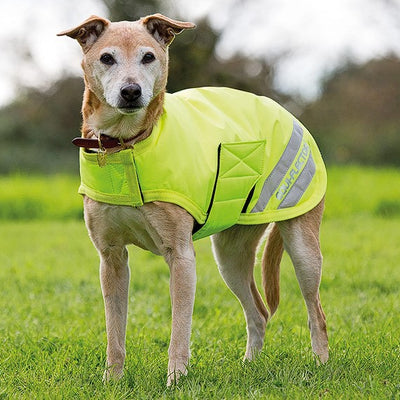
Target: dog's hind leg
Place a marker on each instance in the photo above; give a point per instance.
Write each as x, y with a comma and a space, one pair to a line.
235, 252
301, 240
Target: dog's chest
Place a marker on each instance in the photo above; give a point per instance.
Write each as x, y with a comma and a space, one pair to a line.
121, 225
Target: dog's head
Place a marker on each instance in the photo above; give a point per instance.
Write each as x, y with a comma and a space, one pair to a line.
126, 63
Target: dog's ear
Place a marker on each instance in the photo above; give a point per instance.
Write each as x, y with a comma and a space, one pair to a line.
87, 32
163, 28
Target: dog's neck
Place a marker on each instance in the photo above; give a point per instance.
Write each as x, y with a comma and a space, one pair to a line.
100, 118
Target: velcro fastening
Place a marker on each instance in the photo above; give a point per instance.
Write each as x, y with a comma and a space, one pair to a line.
240, 167
114, 183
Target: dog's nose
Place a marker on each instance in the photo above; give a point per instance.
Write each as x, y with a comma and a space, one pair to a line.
131, 92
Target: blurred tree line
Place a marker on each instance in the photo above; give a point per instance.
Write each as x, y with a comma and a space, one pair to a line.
355, 120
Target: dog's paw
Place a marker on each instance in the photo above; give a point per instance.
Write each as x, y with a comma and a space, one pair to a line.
251, 354
112, 374
175, 373
321, 358
173, 378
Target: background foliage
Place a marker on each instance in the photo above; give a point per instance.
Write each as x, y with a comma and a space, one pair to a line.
355, 120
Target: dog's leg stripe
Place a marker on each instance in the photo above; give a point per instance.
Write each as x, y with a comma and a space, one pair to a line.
274, 179
303, 181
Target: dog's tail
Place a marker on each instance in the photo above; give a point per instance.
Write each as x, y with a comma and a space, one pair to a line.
271, 268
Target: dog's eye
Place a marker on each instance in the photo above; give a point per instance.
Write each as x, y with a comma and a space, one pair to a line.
148, 58
107, 59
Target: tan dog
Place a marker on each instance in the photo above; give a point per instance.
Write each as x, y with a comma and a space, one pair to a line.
125, 70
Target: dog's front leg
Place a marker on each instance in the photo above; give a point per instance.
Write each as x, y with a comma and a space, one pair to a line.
114, 276
182, 290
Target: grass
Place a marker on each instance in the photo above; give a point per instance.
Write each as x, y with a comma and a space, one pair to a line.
39, 197
363, 191
52, 327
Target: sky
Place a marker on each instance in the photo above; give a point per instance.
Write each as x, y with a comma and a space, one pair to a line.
304, 39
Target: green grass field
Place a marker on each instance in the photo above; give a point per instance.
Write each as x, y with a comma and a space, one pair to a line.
52, 327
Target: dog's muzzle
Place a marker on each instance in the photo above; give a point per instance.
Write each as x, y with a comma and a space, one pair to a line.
130, 98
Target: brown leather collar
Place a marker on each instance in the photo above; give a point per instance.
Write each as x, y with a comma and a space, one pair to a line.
104, 142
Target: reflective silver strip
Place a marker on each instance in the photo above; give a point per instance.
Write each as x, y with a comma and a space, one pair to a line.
303, 181
274, 179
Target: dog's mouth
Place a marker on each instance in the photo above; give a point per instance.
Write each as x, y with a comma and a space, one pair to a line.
129, 109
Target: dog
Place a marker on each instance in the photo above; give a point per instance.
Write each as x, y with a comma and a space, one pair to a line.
126, 111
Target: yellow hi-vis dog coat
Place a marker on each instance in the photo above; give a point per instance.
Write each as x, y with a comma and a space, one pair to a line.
227, 157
